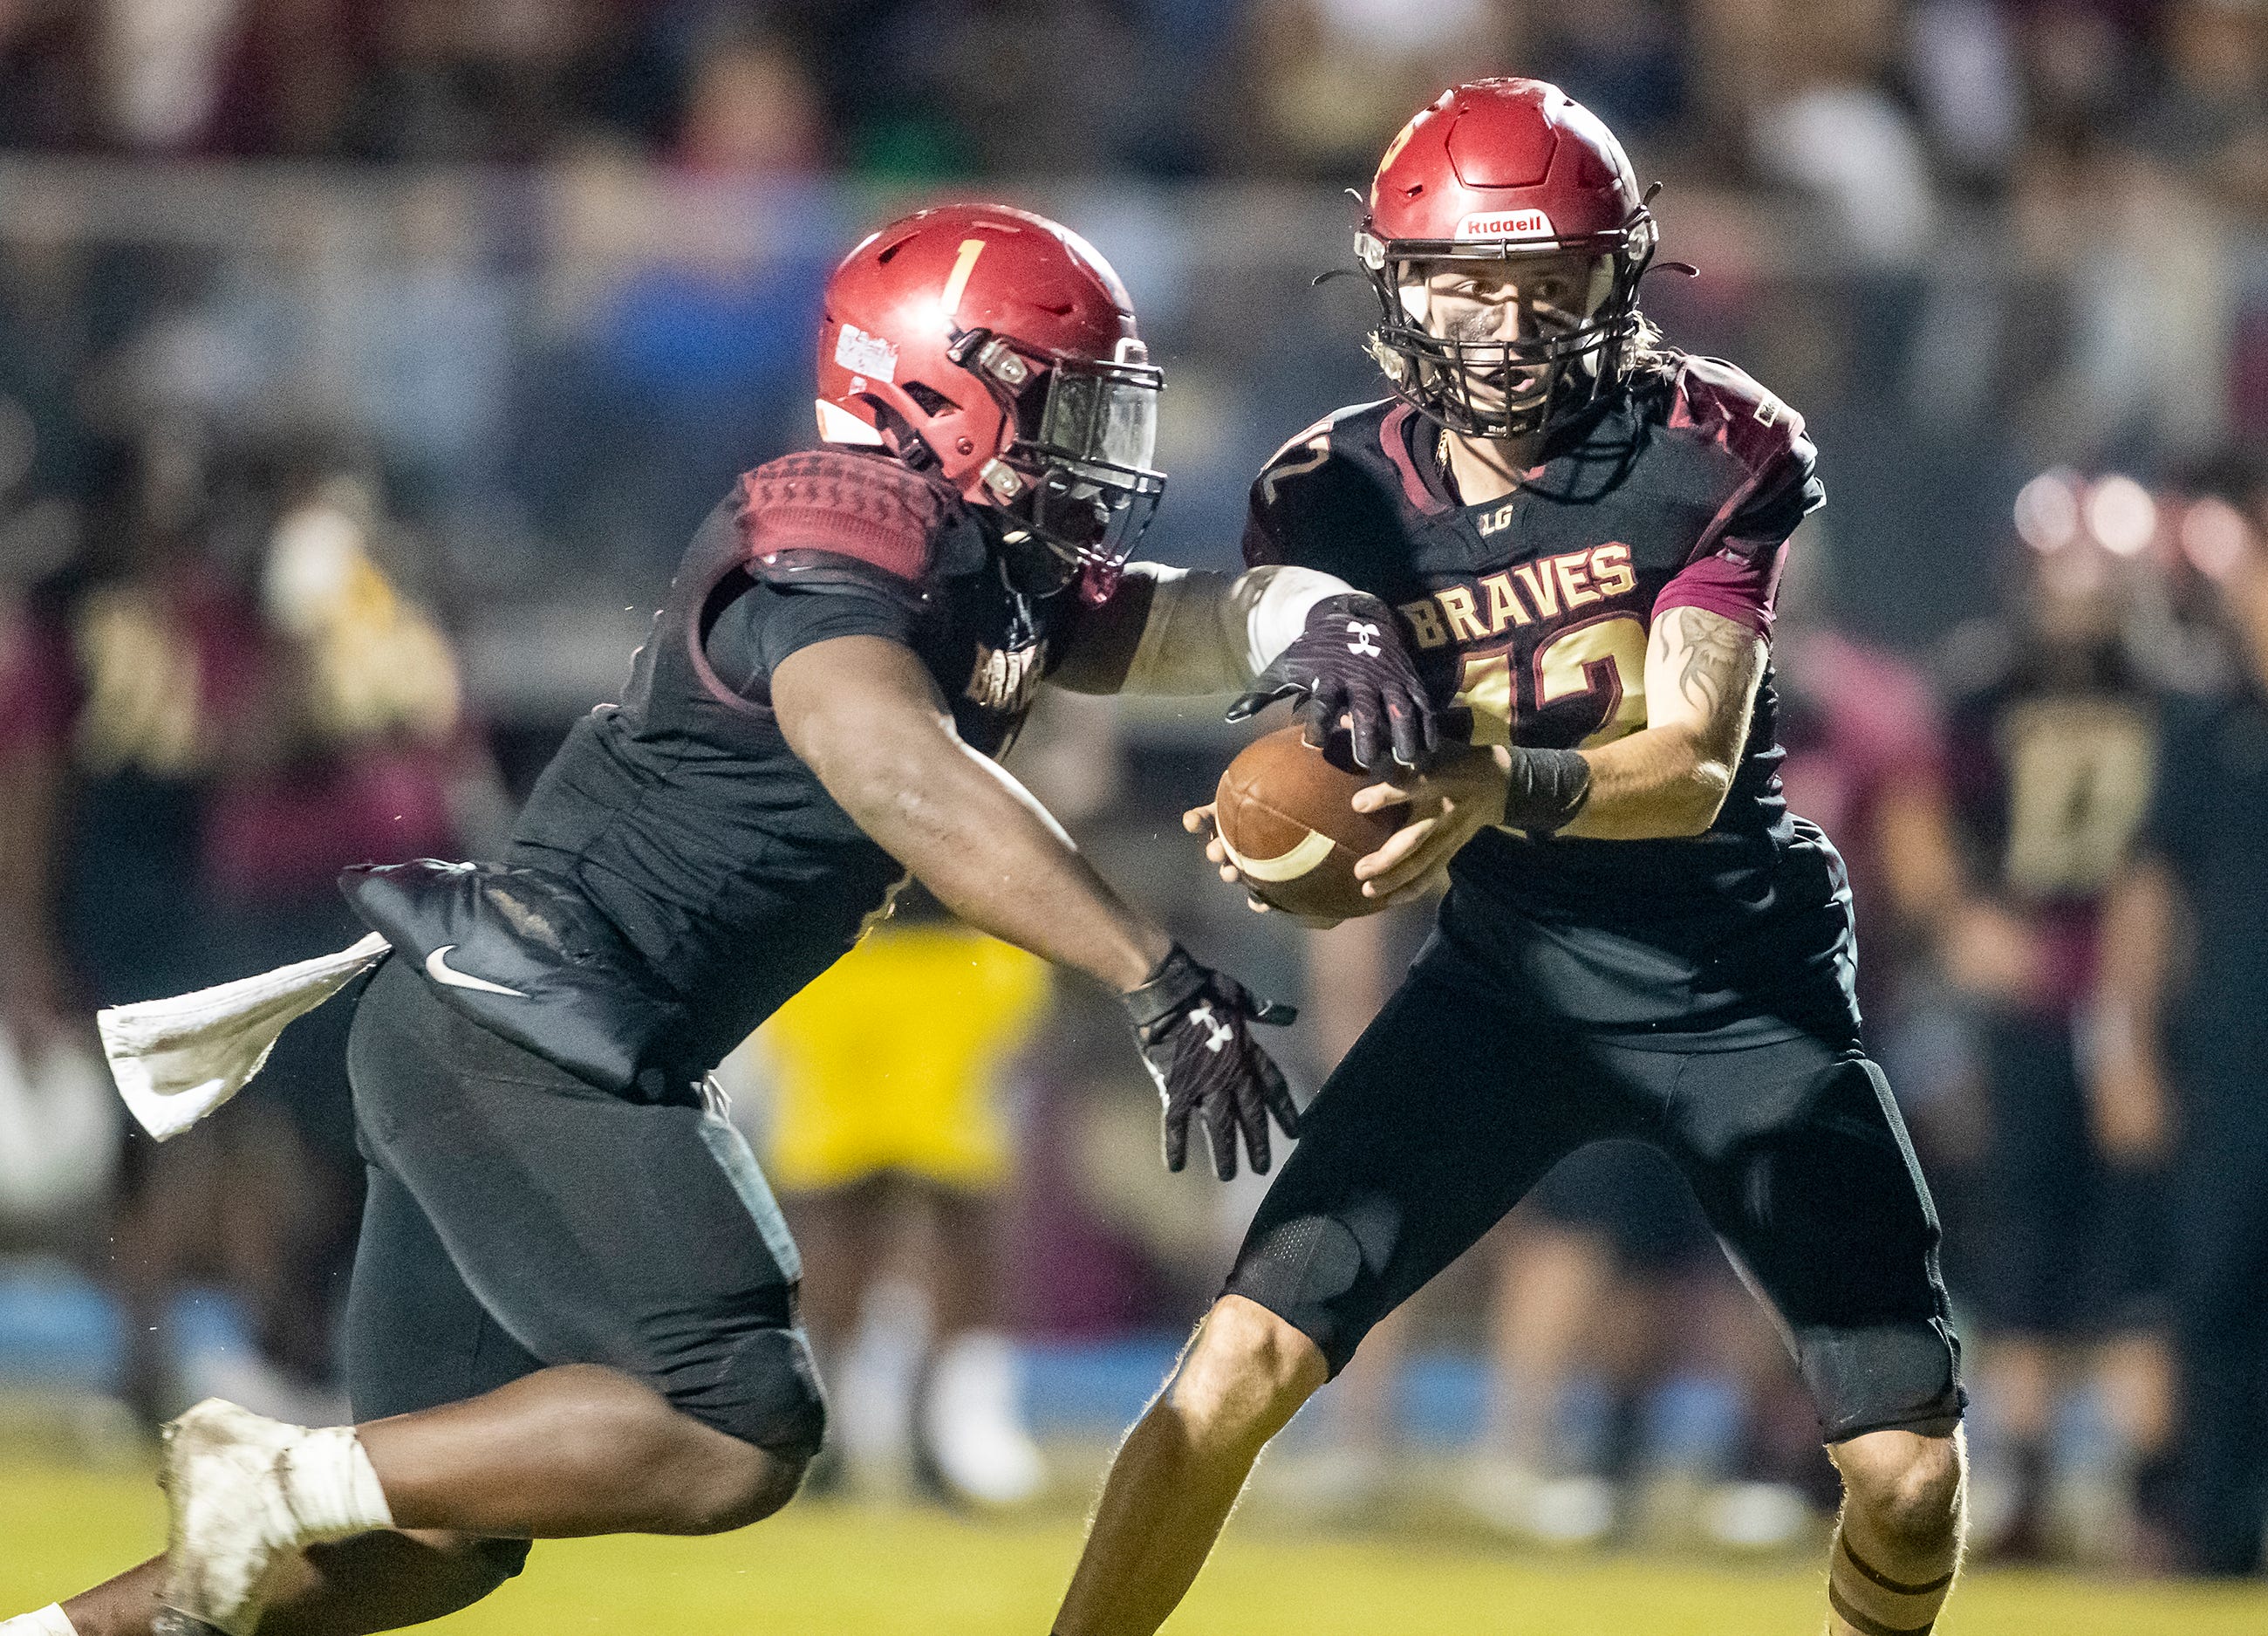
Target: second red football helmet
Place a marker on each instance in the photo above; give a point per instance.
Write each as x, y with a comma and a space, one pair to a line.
998, 349
1499, 170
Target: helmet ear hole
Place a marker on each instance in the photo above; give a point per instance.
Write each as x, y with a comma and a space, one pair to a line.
907, 443
932, 401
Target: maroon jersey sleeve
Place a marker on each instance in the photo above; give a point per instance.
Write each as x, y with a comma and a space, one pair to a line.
1264, 541
1734, 567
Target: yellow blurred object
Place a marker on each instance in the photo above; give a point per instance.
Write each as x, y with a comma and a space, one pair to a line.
144, 704
892, 1060
380, 665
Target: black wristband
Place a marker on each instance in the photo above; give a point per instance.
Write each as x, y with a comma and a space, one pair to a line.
1350, 605
1164, 991
1545, 789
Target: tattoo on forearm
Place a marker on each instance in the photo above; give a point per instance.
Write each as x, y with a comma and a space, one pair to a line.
1717, 653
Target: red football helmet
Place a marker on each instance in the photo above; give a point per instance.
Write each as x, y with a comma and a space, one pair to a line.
998, 349
1499, 170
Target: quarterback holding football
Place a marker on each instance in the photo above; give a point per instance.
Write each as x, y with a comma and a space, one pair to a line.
1579, 529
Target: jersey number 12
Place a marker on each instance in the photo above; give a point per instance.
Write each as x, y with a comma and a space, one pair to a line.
1603, 660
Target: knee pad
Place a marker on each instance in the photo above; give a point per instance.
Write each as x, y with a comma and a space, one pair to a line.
1310, 1272
1883, 1377
764, 1390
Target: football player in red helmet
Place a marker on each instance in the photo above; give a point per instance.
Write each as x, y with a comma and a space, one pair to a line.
1006, 364
1505, 244
1580, 529
574, 1307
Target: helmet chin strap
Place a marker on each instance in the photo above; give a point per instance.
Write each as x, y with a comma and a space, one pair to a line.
1029, 564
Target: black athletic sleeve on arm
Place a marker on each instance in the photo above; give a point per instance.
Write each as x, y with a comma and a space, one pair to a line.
767, 622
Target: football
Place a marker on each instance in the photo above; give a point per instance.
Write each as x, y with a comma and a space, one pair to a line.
1283, 812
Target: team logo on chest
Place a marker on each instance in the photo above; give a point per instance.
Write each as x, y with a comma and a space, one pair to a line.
1546, 590
1006, 679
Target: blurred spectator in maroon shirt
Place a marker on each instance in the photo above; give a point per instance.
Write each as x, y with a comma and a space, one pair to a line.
2051, 731
194, 753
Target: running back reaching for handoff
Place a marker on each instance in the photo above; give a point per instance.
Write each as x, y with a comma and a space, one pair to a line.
574, 1304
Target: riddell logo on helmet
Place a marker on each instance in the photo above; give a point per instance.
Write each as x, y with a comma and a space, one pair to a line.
1506, 225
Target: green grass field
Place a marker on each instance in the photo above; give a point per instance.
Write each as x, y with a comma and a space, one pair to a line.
836, 1569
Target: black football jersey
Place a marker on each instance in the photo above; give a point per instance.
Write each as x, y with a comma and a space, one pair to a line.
1531, 615
681, 813
2049, 758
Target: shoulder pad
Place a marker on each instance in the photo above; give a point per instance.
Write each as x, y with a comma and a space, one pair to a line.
1300, 447
1725, 404
1280, 482
826, 514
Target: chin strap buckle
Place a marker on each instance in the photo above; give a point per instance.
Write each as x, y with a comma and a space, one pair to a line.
985, 353
1002, 479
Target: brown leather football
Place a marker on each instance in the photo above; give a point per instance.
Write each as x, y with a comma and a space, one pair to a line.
1283, 812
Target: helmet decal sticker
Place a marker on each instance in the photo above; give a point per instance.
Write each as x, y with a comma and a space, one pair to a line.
863, 354
963, 264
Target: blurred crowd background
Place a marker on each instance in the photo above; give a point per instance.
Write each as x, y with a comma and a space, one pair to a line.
364, 365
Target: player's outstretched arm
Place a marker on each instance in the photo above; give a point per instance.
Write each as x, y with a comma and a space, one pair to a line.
865, 716
1269, 633
1670, 778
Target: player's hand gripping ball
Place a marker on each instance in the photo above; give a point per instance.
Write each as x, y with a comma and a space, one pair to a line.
1352, 673
1284, 814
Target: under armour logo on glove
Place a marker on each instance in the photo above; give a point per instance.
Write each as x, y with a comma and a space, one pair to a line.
1192, 1027
1349, 665
1218, 1034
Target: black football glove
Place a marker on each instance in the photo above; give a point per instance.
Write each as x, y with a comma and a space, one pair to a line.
1193, 1027
1349, 661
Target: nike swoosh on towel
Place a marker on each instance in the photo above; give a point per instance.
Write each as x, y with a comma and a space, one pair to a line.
440, 971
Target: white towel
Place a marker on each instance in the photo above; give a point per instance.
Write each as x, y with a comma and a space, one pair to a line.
176, 1060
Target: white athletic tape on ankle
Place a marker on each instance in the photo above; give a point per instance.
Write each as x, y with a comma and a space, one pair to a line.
331, 1486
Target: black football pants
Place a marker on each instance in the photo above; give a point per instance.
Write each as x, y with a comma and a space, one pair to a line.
520, 1218
1448, 1109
